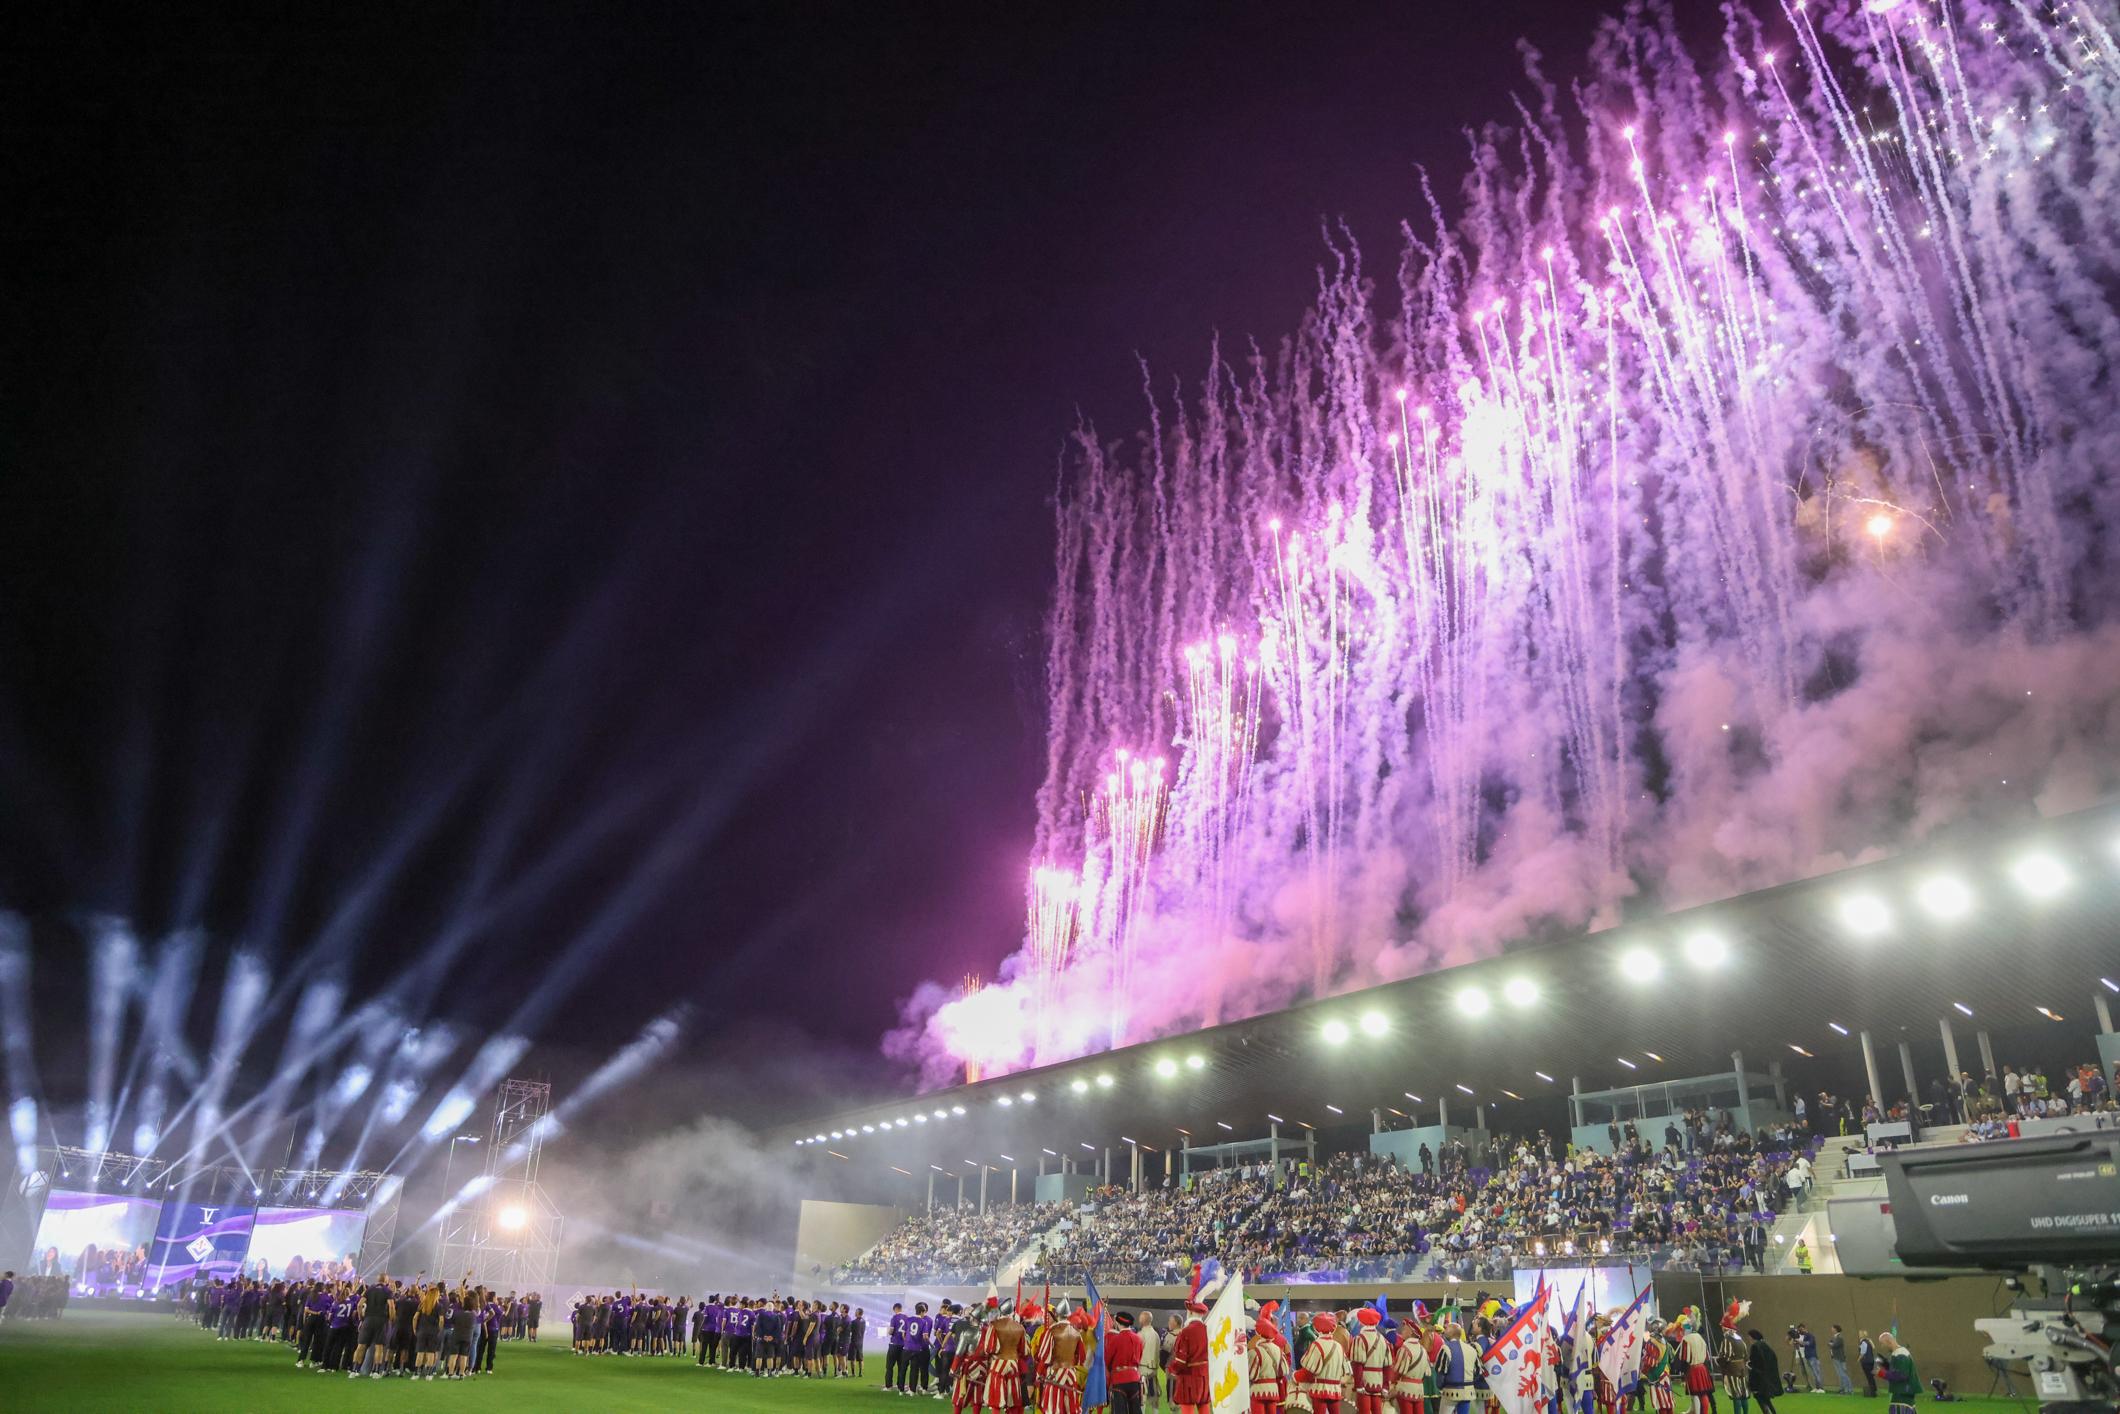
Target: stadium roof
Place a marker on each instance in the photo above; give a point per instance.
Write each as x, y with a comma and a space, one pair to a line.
2001, 930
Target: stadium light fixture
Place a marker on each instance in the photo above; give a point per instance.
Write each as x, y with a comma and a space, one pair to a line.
1228, 1127
1336, 1109
1629, 1064
1054, 1152
1104, 1081
956, 1109
1640, 965
1167, 1069
513, 1217
1654, 1056
1413, 1097
1520, 991
1079, 1086
922, 1119
1962, 1007
1800, 1051
1335, 1032
1375, 1023
1010, 1157
2041, 875
1543, 1076
1089, 1146
943, 1114
868, 1129
1029, 1097
1004, 1102
1276, 1119
2048, 1013
1865, 915
1945, 896
1466, 1088
1196, 1061
1472, 1001
2109, 984
1707, 950
1838, 1027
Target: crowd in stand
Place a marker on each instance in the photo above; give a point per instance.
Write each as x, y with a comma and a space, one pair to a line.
377, 1328
951, 1246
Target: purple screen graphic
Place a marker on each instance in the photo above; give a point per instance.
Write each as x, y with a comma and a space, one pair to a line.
98, 1240
199, 1240
294, 1243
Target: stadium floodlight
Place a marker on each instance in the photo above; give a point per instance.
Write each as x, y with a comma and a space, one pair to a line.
1196, 1061
2048, 1012
1029, 1097
1838, 1027
945, 1114
1865, 915
1640, 965
2109, 984
1466, 1088
956, 1109
1961, 1006
1079, 1086
922, 1119
1707, 950
1228, 1127
1104, 1081
1336, 1109
2041, 875
868, 1129
1472, 1001
1004, 1102
1945, 897
1374, 1022
1520, 991
1629, 1064
839, 1134
1543, 1076
1167, 1068
1335, 1032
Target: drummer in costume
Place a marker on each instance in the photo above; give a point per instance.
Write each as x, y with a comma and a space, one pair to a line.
1267, 1363
1327, 1365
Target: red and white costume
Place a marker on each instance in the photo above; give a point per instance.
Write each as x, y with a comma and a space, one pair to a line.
1267, 1364
1410, 1369
1188, 1363
1327, 1365
1371, 1359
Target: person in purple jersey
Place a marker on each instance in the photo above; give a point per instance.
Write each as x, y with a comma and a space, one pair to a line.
316, 1329
493, 1335
345, 1310
703, 1318
917, 1331
894, 1350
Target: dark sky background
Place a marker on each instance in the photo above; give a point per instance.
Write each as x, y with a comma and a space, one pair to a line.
448, 415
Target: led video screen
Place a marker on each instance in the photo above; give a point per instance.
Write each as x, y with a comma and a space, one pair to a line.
99, 1241
296, 1243
196, 1240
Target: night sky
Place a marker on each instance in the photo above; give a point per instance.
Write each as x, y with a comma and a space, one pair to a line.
422, 420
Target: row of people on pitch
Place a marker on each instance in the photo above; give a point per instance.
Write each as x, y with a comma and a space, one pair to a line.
32, 1298
775, 1335
384, 1327
630, 1324
254, 1309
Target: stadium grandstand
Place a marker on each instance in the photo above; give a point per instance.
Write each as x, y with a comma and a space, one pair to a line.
1700, 1097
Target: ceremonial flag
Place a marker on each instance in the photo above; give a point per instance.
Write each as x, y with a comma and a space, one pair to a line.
1095, 1392
1619, 1350
1228, 1372
1516, 1363
1572, 1329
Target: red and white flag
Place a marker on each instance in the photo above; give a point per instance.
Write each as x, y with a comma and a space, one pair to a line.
1619, 1350
1517, 1362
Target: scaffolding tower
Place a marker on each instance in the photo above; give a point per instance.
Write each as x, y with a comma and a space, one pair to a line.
506, 1235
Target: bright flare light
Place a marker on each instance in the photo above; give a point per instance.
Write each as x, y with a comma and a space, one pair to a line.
513, 1217
1945, 897
1640, 965
1472, 1001
1335, 1032
2041, 875
1706, 950
1167, 1068
1865, 915
1375, 1023
1196, 1061
1520, 991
